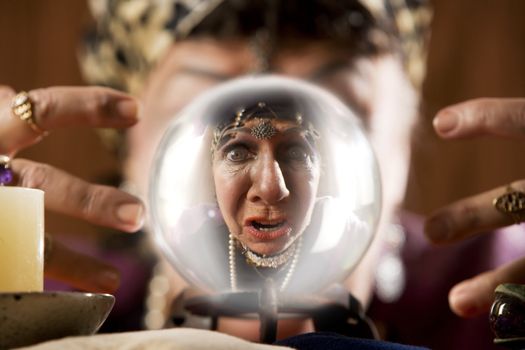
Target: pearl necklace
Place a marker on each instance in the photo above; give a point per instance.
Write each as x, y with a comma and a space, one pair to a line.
295, 251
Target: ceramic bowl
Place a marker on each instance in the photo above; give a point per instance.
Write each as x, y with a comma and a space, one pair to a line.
33, 317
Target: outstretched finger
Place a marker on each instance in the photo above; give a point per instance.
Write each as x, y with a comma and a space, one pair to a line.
6, 93
79, 270
473, 215
66, 194
484, 116
60, 107
474, 296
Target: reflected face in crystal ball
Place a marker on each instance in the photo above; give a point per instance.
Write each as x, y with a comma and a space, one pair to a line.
266, 175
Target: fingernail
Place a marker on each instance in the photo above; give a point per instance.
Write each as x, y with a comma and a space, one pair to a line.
459, 291
437, 228
131, 214
127, 109
445, 122
108, 280
461, 301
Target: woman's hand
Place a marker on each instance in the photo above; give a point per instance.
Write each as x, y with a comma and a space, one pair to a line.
467, 217
63, 107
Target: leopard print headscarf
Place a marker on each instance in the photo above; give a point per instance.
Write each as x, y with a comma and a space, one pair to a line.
130, 36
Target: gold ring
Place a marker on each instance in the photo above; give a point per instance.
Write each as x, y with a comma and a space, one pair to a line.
511, 203
22, 107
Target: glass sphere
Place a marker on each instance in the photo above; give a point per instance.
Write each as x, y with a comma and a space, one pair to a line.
265, 177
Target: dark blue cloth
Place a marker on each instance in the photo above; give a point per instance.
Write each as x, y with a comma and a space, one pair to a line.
333, 341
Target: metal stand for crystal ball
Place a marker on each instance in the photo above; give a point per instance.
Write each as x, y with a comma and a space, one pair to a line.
337, 312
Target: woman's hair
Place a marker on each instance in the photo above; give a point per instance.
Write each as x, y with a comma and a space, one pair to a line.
345, 22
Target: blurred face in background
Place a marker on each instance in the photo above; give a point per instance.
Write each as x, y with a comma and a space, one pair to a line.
376, 88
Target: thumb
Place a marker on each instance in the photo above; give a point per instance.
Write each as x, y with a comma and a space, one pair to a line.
474, 296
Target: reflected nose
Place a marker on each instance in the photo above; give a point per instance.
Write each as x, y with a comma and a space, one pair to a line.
268, 183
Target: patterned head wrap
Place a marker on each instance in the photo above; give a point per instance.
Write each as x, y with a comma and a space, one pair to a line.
130, 36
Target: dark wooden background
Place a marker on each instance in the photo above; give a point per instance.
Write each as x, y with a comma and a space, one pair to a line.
477, 49
38, 47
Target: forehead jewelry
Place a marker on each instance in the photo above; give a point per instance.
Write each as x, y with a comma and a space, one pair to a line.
262, 46
264, 129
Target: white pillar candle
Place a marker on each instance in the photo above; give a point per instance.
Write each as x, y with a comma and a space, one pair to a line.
21, 239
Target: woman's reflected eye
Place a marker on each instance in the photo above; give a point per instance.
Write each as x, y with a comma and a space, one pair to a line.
237, 154
297, 153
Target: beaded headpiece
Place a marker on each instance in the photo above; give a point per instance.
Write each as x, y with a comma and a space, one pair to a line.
264, 129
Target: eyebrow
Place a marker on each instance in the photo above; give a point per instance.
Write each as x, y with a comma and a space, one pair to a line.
328, 69
320, 73
228, 135
206, 73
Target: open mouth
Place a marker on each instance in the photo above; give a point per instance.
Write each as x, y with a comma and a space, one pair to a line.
266, 230
266, 226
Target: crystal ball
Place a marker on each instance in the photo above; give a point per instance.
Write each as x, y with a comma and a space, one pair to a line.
262, 178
